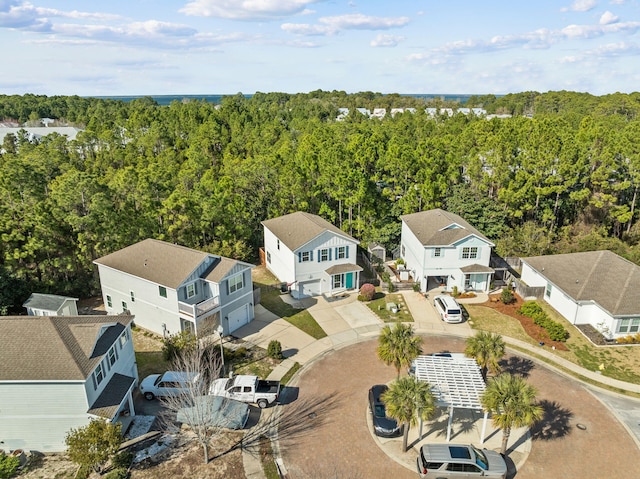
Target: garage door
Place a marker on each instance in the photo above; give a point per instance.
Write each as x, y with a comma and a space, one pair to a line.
310, 288
238, 318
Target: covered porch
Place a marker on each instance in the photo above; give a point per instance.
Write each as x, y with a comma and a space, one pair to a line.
342, 278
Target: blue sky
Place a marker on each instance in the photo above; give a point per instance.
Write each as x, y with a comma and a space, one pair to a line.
156, 47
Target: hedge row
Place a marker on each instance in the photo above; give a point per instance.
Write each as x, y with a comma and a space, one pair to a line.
532, 310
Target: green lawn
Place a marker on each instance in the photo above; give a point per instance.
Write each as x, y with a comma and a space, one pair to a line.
379, 306
618, 362
271, 300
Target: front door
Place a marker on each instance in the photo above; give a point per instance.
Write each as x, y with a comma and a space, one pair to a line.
349, 281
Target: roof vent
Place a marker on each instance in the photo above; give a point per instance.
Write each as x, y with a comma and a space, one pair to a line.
577, 281
145, 263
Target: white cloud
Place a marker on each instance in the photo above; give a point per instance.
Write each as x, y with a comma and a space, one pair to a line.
581, 6
246, 9
335, 24
607, 18
386, 40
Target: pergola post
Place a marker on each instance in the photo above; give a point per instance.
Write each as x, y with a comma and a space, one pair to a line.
449, 424
484, 427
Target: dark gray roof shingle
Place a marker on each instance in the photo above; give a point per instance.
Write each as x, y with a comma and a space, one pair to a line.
600, 276
55, 348
111, 397
297, 229
431, 227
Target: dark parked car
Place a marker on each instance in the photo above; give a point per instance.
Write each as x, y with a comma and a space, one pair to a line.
383, 425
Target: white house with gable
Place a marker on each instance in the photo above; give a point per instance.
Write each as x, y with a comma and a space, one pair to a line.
598, 288
171, 288
310, 255
439, 247
60, 372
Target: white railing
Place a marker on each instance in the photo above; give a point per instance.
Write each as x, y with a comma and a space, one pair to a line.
197, 310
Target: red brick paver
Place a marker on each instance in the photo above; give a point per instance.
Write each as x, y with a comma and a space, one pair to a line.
332, 439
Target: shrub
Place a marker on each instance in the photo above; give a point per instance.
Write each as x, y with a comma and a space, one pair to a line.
385, 277
174, 345
399, 261
454, 292
557, 331
367, 291
390, 287
274, 350
122, 460
416, 286
94, 444
8, 465
507, 296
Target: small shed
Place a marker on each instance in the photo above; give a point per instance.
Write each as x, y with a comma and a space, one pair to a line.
378, 251
455, 383
40, 304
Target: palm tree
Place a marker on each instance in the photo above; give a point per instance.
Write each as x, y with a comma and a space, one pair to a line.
512, 403
398, 346
408, 400
487, 349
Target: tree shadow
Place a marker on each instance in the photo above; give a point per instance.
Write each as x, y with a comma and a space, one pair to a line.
517, 366
288, 394
554, 424
298, 419
463, 423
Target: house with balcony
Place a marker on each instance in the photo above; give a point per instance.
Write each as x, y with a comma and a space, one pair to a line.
441, 249
310, 255
171, 288
61, 372
598, 288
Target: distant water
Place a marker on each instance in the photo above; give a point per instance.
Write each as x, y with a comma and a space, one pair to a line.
216, 99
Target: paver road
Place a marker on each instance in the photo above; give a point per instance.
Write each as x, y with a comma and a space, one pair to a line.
326, 433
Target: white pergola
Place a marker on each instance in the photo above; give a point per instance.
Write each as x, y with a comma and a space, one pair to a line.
455, 383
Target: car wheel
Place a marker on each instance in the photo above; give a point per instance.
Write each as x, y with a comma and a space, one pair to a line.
262, 403
149, 396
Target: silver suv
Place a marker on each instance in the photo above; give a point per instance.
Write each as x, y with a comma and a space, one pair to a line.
448, 308
456, 461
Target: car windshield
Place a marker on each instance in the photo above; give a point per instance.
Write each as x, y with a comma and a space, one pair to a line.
454, 311
379, 410
481, 459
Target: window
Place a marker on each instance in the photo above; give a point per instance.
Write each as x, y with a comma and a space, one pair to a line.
124, 337
268, 256
337, 280
547, 291
235, 283
98, 375
342, 252
469, 252
162, 291
629, 325
324, 255
192, 290
112, 356
467, 281
109, 302
402, 251
305, 256
278, 243
133, 296
437, 252
124, 306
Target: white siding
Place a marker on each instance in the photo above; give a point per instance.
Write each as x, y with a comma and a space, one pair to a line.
412, 252
150, 309
282, 263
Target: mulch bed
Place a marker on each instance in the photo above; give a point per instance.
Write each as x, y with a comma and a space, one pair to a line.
538, 333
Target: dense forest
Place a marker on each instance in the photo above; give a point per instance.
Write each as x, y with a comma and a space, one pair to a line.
562, 174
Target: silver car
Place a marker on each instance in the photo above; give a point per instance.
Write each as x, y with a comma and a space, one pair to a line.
457, 461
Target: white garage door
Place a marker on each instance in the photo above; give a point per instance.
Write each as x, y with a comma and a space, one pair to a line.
238, 318
310, 288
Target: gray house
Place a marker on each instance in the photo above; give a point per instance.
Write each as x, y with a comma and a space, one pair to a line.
60, 372
40, 304
171, 288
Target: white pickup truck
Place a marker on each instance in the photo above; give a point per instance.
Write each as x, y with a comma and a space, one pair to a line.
247, 389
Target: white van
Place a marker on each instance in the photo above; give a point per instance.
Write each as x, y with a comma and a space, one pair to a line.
171, 383
448, 308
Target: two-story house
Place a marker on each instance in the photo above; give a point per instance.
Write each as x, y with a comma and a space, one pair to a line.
171, 288
439, 247
310, 255
40, 304
60, 372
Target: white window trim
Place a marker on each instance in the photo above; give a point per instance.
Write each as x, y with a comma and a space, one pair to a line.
191, 290
234, 284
